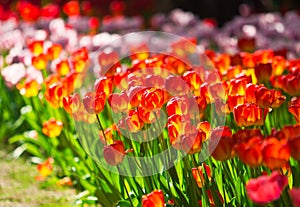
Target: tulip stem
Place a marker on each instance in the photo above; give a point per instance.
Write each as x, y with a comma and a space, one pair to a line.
101, 128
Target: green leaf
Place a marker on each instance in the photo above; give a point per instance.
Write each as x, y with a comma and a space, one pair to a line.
124, 203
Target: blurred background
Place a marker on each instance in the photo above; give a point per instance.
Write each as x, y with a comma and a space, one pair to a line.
220, 10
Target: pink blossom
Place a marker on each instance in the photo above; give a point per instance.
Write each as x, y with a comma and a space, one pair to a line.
265, 189
13, 74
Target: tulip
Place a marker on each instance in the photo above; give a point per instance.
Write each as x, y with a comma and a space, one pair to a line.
294, 194
118, 102
152, 98
71, 103
29, 88
265, 189
276, 153
52, 128
178, 105
267, 98
114, 153
45, 169
94, 102
40, 61
294, 108
54, 51
223, 143
249, 151
62, 68
193, 80
249, 115
71, 8
36, 47
198, 174
104, 84
153, 199
294, 144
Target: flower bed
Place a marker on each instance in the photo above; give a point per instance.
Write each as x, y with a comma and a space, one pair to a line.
150, 118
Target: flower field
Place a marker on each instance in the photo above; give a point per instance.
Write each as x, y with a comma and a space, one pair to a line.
187, 114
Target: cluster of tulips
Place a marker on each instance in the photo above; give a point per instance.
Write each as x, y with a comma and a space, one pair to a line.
177, 127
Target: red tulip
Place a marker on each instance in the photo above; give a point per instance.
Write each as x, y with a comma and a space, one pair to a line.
224, 146
71, 8
28, 11
263, 72
265, 189
50, 11
114, 153
153, 199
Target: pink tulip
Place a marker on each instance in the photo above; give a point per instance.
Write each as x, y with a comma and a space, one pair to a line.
294, 194
265, 189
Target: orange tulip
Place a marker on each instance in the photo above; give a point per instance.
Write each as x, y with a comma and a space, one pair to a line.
268, 98
79, 58
176, 86
198, 174
66, 181
294, 108
94, 102
222, 62
148, 116
263, 56
193, 80
104, 84
118, 102
29, 88
54, 51
114, 153
152, 98
248, 59
177, 105
249, 151
40, 61
36, 47
63, 67
45, 169
153, 199
276, 153
140, 52
54, 94
72, 103
132, 122
52, 128
278, 65
249, 115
